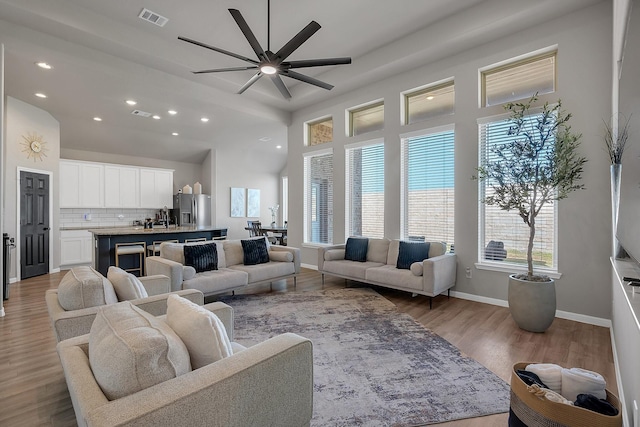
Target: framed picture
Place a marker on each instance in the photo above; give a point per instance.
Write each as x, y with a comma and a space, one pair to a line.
237, 202
253, 203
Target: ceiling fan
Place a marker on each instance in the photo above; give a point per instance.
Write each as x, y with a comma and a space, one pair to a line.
273, 64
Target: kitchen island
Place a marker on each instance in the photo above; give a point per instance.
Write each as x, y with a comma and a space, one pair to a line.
105, 240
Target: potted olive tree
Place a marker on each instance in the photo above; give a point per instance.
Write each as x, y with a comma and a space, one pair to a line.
537, 166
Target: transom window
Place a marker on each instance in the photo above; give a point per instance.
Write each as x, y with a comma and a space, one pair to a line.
429, 102
318, 197
519, 79
366, 119
320, 131
364, 190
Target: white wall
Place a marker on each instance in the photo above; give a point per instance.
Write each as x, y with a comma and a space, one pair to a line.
23, 118
584, 42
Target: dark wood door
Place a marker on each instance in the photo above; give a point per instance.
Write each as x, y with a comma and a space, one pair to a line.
34, 224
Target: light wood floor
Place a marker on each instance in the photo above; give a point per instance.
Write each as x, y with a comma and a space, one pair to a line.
33, 391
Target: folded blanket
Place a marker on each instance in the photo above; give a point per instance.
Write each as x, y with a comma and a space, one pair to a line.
529, 378
545, 393
592, 403
550, 374
577, 381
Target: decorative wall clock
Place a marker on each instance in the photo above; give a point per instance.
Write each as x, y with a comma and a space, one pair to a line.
34, 145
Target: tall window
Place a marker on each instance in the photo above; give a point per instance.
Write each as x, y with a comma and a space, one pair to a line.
428, 186
364, 190
519, 79
366, 119
320, 131
318, 197
433, 101
505, 228
285, 199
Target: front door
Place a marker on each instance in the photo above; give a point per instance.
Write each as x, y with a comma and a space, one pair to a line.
34, 224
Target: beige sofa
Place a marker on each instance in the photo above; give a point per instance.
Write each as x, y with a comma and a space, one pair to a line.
268, 384
99, 291
284, 262
430, 277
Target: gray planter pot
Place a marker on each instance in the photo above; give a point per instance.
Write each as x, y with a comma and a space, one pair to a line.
532, 304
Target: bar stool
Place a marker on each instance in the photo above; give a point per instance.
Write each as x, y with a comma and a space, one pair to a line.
154, 249
134, 248
199, 239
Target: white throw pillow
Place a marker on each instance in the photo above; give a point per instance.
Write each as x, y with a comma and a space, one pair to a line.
201, 331
281, 256
127, 286
130, 350
416, 268
84, 287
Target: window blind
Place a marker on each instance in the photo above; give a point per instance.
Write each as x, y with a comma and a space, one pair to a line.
428, 187
364, 190
507, 226
318, 198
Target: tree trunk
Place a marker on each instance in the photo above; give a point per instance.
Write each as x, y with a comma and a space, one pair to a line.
532, 233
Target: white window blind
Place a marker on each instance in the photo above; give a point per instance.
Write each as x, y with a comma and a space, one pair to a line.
285, 199
318, 197
430, 102
364, 190
428, 186
507, 226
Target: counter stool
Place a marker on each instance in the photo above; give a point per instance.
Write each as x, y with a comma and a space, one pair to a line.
154, 249
134, 248
200, 239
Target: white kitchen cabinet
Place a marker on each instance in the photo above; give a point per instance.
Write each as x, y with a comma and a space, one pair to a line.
76, 247
121, 186
156, 188
81, 184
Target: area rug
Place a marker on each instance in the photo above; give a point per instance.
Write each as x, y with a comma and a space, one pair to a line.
373, 366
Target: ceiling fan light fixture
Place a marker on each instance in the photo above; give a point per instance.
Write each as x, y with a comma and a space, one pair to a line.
268, 69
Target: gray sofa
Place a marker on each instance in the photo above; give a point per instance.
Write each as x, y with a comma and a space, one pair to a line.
268, 384
284, 262
430, 277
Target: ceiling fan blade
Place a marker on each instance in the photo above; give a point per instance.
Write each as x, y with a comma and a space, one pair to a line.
221, 70
306, 79
297, 41
315, 63
277, 80
251, 81
226, 52
251, 38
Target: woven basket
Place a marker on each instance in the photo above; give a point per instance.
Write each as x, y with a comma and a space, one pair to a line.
537, 412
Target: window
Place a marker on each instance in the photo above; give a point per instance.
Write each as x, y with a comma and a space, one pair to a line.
318, 197
506, 228
320, 131
519, 80
364, 190
285, 199
430, 102
428, 186
366, 119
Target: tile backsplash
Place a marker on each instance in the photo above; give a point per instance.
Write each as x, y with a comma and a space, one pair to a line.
100, 217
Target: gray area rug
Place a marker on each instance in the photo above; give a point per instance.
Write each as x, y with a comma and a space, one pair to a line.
373, 366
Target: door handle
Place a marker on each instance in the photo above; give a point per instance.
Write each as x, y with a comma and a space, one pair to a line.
46, 229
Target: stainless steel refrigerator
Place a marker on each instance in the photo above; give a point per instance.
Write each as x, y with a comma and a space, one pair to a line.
192, 210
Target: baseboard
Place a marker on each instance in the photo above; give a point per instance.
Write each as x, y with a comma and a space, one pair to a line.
56, 270
582, 318
1, 311
13, 279
309, 266
623, 407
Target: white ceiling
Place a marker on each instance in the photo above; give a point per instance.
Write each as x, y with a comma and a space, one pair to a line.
102, 54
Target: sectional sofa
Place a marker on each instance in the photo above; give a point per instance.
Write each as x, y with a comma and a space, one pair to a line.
431, 276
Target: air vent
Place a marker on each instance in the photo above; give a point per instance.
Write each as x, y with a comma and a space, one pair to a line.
153, 17
141, 113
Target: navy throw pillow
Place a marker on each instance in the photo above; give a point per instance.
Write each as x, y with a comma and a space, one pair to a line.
356, 249
255, 251
201, 257
411, 252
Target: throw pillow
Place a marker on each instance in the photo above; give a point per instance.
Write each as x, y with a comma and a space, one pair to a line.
356, 249
255, 251
130, 350
410, 252
127, 286
84, 287
201, 331
281, 256
201, 257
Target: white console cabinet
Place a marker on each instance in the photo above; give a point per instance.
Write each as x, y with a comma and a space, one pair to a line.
75, 248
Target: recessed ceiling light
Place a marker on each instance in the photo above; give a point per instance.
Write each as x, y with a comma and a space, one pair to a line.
172, 112
157, 117
278, 146
97, 119
130, 102
204, 119
429, 98
44, 65
41, 95
175, 134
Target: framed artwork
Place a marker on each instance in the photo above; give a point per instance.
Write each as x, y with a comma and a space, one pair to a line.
237, 202
253, 203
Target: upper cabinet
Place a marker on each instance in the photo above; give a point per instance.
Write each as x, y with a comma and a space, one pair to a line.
81, 184
98, 185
